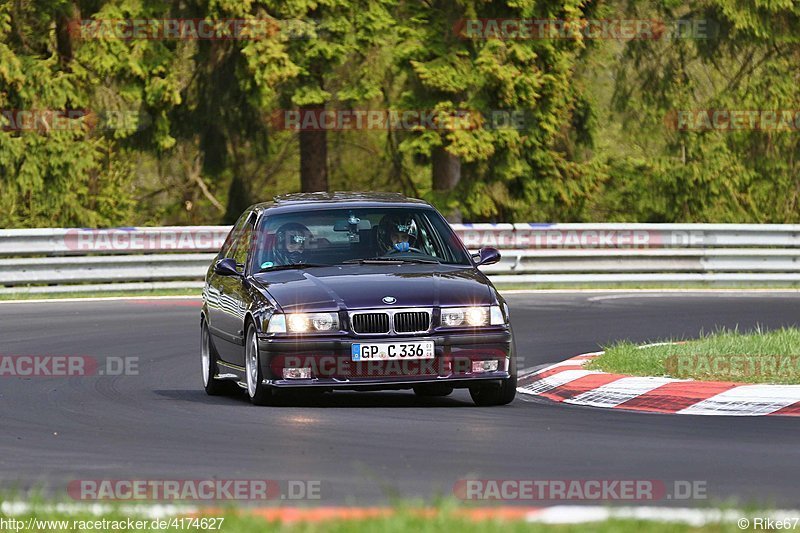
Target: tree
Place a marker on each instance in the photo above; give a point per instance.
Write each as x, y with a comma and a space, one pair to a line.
61, 162
670, 88
325, 46
493, 171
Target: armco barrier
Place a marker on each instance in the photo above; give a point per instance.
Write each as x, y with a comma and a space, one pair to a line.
73, 260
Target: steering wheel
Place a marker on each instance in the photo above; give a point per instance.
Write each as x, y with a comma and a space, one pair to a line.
410, 249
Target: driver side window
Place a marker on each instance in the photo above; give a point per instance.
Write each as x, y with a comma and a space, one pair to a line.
226, 251
241, 247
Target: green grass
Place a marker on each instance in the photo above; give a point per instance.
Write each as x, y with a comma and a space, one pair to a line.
407, 519
101, 294
754, 357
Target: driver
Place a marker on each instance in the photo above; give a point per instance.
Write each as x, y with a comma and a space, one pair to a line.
291, 241
397, 234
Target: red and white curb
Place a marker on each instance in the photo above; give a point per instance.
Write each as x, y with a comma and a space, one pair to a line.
569, 382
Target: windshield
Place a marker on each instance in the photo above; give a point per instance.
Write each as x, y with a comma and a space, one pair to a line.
338, 236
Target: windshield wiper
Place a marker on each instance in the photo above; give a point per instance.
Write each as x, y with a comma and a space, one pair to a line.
291, 266
384, 260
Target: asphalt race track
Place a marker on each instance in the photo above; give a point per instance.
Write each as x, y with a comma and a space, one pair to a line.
366, 448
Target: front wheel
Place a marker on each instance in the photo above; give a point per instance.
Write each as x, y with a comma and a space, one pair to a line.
492, 394
208, 356
258, 393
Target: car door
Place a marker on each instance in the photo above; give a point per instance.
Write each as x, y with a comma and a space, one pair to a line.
224, 301
235, 294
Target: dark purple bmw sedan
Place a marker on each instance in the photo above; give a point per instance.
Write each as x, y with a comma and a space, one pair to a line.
353, 291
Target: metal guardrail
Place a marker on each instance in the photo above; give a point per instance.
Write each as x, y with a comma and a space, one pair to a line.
75, 260
80, 241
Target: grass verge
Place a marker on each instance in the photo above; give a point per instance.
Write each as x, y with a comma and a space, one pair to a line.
100, 294
726, 355
401, 520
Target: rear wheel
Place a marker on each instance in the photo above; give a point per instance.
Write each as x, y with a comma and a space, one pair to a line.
493, 394
258, 393
209, 357
433, 390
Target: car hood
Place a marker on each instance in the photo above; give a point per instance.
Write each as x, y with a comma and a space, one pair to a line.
365, 286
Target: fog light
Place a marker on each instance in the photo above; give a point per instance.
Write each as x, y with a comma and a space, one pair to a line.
484, 366
297, 373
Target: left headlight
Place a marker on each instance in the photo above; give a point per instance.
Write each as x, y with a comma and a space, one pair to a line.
455, 317
303, 322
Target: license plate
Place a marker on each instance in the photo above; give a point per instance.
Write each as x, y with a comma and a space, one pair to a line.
392, 351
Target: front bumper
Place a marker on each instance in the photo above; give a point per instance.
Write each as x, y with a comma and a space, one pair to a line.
330, 361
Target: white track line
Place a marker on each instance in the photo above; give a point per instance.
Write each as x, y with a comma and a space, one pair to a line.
574, 514
639, 292
101, 299
16, 508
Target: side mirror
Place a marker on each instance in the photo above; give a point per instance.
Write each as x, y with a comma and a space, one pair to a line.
487, 256
226, 267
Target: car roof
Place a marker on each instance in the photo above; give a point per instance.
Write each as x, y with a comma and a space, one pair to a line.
287, 203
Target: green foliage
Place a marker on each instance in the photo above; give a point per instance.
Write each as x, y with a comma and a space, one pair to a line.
742, 64
180, 131
52, 172
510, 173
726, 355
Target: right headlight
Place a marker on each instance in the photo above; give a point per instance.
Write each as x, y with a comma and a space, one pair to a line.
472, 317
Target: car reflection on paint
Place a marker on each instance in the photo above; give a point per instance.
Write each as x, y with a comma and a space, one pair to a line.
353, 291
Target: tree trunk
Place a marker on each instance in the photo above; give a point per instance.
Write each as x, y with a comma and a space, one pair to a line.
313, 155
67, 21
238, 200
446, 169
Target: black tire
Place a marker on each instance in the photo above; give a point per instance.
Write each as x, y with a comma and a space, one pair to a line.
433, 390
493, 394
258, 393
209, 357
